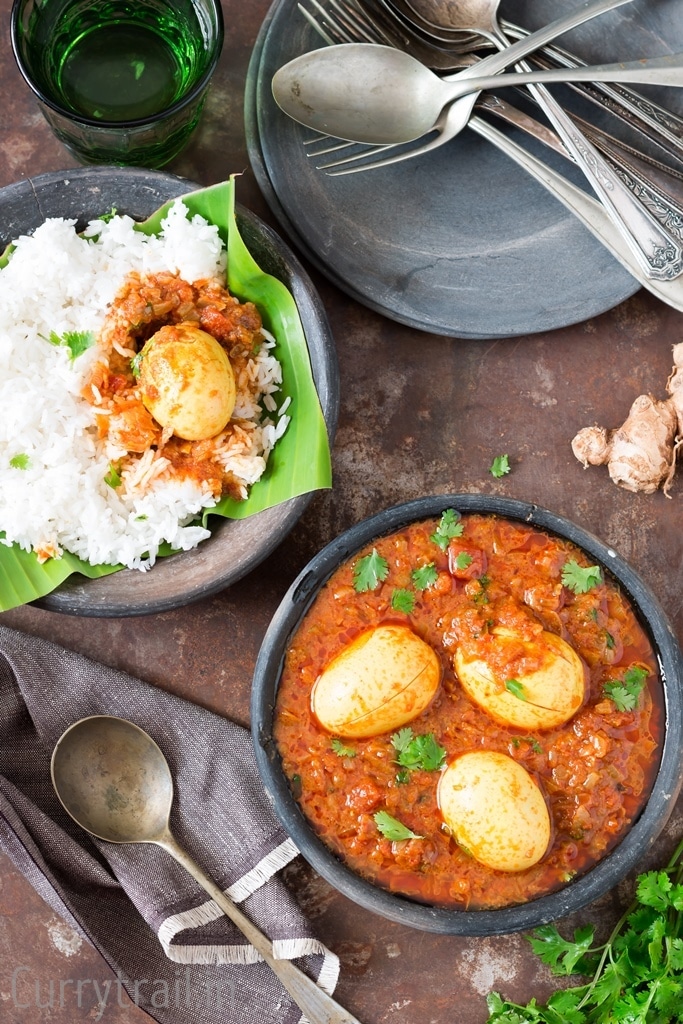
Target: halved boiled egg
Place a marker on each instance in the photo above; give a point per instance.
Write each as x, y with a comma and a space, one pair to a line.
186, 381
379, 682
543, 698
495, 810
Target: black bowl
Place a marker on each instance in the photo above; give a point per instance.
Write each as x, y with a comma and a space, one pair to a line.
580, 891
235, 546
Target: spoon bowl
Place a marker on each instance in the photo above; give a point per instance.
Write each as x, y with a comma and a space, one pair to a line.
113, 780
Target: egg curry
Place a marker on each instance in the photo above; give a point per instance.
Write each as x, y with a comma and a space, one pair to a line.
171, 356
470, 712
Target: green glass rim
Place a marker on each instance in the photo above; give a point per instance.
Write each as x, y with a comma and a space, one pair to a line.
140, 122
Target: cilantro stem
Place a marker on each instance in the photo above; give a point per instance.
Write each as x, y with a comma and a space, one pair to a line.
606, 952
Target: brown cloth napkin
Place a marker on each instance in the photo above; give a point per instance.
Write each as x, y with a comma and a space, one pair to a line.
171, 948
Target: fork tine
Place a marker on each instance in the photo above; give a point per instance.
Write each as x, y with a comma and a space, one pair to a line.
344, 23
365, 160
319, 25
366, 153
358, 22
361, 157
368, 28
330, 144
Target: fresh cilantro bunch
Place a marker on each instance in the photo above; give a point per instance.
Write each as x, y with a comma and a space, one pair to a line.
636, 977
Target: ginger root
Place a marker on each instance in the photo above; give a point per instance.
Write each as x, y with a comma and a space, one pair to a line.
641, 454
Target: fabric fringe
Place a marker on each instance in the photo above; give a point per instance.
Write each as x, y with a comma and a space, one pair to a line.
205, 913
328, 977
211, 955
262, 871
290, 949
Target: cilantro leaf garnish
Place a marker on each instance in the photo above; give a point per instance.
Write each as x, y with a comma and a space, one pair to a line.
449, 527
113, 477
341, 748
20, 461
625, 692
516, 688
392, 828
425, 576
77, 342
654, 889
403, 600
579, 579
481, 597
462, 560
369, 571
135, 364
417, 752
533, 743
500, 466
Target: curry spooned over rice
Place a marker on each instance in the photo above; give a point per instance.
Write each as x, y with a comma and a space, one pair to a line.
85, 466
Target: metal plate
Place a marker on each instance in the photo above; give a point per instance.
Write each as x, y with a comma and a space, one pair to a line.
459, 242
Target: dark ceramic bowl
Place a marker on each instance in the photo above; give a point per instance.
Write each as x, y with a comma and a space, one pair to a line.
580, 891
235, 546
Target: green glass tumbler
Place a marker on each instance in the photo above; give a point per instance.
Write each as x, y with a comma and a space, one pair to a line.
119, 81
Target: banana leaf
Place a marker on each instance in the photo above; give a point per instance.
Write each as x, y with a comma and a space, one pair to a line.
300, 461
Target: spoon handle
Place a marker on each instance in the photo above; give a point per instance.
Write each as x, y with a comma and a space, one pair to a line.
318, 1006
588, 210
667, 70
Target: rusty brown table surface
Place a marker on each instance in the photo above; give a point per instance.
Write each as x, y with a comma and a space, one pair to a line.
420, 414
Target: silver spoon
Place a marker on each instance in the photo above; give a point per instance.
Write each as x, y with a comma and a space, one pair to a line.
366, 92
114, 781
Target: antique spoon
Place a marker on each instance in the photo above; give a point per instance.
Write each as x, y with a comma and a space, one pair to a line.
366, 92
114, 781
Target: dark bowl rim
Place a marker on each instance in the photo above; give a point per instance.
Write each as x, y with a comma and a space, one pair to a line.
583, 890
140, 122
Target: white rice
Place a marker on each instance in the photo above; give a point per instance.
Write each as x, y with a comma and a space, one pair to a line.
54, 497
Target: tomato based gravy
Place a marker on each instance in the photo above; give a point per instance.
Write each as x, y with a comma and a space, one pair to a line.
556, 682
